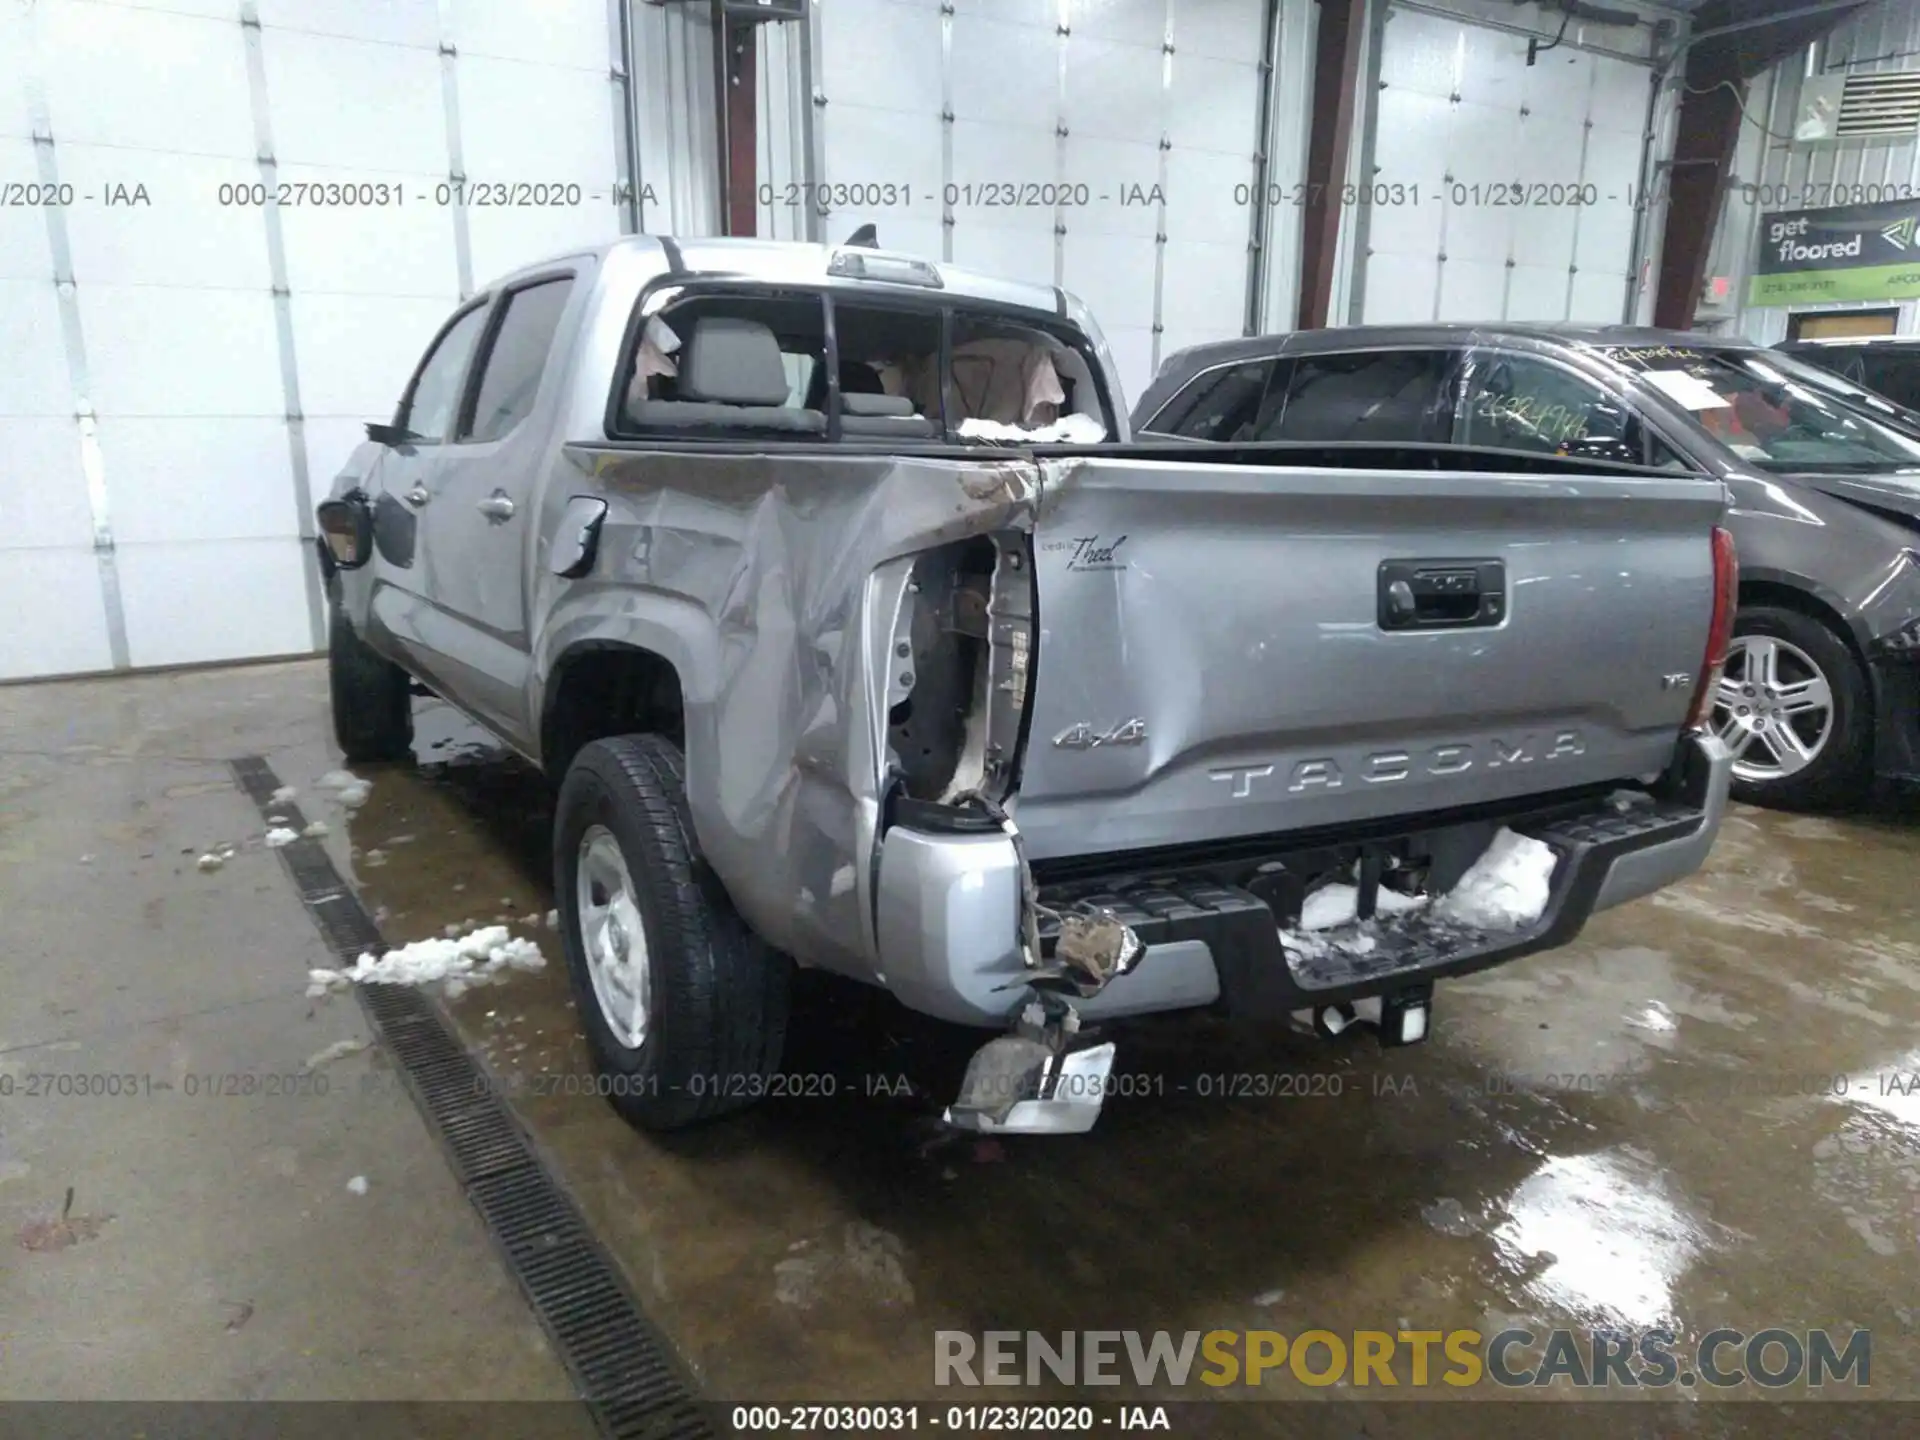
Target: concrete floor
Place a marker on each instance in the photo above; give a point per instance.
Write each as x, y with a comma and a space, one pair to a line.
213, 1249
809, 1249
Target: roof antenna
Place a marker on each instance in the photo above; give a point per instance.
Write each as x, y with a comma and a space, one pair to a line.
865, 238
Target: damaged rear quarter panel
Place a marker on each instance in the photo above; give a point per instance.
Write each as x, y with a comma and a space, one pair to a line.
771, 581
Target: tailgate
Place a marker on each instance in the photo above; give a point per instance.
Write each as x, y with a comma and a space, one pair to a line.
1230, 650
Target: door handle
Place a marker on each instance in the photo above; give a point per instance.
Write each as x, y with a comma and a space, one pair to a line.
417, 496
497, 507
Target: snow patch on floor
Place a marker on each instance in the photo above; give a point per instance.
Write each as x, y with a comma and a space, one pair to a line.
842, 881
345, 786
470, 958
285, 795
358, 1184
315, 829
1507, 887
281, 835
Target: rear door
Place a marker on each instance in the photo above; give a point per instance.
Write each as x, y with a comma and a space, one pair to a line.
1219, 654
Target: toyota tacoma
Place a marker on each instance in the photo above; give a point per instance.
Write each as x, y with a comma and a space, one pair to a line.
856, 632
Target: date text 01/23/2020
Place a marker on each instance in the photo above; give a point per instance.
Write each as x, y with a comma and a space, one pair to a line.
962, 195
960, 1419
1459, 194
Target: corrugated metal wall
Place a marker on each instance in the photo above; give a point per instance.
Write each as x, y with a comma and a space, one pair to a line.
1773, 172
260, 211
1104, 145
187, 369
673, 88
1505, 190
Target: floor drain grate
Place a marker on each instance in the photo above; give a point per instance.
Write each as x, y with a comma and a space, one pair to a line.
622, 1368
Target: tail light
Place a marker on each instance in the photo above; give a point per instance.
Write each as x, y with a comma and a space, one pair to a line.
1726, 599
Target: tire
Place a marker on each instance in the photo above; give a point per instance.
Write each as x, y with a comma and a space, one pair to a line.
1840, 744
371, 697
716, 996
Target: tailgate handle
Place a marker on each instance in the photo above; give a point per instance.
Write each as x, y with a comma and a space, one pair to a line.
1442, 594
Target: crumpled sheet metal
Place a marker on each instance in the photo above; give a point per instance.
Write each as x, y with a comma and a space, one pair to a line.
756, 574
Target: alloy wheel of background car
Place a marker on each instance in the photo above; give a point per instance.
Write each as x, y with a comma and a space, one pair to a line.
1787, 656
1774, 708
613, 936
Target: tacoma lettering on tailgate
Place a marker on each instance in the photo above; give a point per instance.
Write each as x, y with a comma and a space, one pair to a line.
1384, 767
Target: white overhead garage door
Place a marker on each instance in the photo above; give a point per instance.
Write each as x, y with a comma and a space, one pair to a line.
1104, 147
1505, 191
187, 366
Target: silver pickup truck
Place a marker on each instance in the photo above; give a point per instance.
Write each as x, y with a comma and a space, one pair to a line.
829, 587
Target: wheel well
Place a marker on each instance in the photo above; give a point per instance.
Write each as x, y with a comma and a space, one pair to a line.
1787, 597
600, 690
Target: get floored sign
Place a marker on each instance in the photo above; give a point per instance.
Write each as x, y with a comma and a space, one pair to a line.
1848, 252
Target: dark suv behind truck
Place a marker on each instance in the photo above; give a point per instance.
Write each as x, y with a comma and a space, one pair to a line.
1822, 690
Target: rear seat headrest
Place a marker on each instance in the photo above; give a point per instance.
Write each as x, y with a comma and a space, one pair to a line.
727, 361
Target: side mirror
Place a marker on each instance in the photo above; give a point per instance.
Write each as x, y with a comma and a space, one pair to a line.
389, 434
346, 527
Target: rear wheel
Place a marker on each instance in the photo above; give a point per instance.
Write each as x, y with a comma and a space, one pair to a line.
683, 1007
1796, 711
371, 697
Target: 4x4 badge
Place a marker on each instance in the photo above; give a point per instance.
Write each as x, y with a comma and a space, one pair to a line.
1084, 737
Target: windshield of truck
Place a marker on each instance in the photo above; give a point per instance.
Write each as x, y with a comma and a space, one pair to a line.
1770, 416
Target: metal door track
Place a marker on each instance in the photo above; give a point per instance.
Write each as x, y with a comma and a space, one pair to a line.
624, 1371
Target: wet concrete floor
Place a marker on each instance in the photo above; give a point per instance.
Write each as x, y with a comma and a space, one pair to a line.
1696, 1115
210, 1187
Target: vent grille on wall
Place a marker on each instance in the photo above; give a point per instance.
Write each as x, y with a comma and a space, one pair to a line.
1855, 107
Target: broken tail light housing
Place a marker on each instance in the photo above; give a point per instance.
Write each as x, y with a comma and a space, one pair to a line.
1726, 601
958, 669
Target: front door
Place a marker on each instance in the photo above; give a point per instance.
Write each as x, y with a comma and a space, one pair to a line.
403, 486
481, 522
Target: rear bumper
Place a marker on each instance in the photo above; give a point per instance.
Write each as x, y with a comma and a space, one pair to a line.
949, 907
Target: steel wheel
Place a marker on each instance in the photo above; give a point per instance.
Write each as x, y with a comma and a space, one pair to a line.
613, 936
1774, 708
